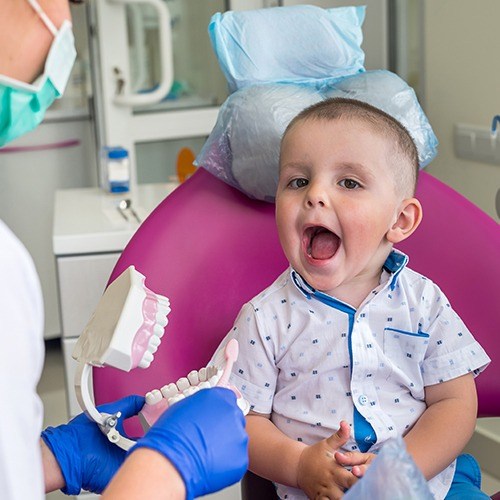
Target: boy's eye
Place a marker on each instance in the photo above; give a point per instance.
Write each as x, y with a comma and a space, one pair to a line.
298, 183
349, 184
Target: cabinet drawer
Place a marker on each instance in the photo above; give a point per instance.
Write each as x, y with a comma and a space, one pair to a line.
82, 280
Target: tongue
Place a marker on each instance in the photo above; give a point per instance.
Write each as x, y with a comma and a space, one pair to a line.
324, 245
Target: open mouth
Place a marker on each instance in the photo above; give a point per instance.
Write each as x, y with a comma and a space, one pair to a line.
321, 243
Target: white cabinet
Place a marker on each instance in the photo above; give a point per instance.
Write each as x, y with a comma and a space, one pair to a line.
82, 280
88, 236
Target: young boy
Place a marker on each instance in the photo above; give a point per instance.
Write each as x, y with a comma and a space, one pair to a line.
349, 340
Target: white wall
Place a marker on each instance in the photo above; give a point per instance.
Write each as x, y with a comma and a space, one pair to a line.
461, 81
461, 77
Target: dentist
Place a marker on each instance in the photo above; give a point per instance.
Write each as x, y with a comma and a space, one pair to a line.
198, 446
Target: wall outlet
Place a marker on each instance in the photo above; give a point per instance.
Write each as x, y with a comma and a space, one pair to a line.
476, 143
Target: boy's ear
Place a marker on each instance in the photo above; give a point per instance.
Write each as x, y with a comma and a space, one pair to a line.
409, 217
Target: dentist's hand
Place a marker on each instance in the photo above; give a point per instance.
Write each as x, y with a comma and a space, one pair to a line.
87, 459
204, 438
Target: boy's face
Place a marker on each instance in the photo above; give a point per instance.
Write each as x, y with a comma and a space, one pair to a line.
336, 202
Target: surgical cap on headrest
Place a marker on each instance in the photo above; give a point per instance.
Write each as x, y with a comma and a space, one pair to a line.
295, 44
390, 93
243, 148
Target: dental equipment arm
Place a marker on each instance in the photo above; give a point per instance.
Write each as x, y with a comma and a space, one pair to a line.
124, 332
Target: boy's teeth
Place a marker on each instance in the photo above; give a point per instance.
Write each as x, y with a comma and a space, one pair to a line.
202, 374
204, 385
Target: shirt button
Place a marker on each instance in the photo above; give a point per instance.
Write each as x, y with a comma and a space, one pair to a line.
363, 400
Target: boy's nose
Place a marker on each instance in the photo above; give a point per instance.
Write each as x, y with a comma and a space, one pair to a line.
316, 196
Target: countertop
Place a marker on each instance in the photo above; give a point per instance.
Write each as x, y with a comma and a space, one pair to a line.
88, 220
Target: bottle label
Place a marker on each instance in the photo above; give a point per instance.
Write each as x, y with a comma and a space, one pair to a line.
118, 171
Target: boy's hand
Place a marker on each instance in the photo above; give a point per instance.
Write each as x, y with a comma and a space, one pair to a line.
319, 474
355, 459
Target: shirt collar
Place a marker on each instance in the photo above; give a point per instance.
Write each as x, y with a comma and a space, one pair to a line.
394, 264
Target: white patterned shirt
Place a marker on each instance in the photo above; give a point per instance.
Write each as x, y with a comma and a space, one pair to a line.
310, 360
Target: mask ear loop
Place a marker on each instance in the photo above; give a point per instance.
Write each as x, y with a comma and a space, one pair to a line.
41, 14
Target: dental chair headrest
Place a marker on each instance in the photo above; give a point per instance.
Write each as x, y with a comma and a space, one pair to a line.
278, 62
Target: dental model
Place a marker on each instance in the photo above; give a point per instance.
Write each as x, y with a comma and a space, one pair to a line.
126, 327
124, 332
157, 401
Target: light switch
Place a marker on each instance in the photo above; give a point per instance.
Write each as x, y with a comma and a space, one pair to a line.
475, 143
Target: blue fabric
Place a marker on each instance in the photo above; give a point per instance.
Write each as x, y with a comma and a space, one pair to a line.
294, 44
243, 148
88, 460
390, 93
204, 438
279, 61
467, 480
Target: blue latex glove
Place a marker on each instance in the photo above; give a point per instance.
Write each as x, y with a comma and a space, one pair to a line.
204, 438
88, 460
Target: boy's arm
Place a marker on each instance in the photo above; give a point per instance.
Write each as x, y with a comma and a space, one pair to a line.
272, 454
443, 430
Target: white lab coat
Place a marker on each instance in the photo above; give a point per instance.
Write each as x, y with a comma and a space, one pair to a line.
21, 362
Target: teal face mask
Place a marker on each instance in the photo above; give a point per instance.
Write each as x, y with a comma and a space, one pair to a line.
22, 105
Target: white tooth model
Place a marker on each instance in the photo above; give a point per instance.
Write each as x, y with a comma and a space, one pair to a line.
157, 401
124, 332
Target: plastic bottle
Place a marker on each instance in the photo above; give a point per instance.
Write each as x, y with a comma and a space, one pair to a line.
116, 169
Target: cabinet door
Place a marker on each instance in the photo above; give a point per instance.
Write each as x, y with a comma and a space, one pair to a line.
82, 280
70, 365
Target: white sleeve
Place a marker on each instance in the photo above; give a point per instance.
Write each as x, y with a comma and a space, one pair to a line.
254, 373
21, 363
452, 351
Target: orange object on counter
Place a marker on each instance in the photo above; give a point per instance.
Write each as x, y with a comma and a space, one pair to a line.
184, 166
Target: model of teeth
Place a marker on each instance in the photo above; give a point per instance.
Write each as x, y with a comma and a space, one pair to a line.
127, 326
157, 401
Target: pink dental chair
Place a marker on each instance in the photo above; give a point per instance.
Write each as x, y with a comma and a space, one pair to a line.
209, 248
